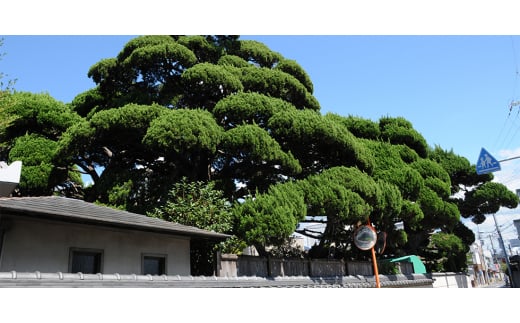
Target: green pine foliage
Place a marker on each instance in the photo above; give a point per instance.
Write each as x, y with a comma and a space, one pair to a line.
226, 134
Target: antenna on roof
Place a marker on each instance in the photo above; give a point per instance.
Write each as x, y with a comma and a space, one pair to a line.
9, 177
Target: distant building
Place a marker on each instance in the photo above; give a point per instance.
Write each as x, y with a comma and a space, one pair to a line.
517, 226
9, 177
483, 269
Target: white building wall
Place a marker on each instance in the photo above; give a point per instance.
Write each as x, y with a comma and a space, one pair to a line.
451, 280
41, 245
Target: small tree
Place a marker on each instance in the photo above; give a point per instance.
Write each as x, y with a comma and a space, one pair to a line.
198, 204
447, 252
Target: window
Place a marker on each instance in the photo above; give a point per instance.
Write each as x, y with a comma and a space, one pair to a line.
86, 261
153, 264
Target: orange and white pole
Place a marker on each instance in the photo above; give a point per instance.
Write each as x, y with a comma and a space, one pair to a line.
374, 261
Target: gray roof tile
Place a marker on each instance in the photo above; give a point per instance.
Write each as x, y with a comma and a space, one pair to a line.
36, 279
73, 210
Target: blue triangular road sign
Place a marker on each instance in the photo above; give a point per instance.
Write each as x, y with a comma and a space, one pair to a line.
487, 163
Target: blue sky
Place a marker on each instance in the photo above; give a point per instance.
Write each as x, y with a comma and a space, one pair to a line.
451, 68
456, 90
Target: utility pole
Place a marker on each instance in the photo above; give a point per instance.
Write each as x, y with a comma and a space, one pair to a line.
511, 282
482, 271
495, 257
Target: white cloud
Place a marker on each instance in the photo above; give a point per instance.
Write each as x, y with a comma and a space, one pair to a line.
509, 153
509, 175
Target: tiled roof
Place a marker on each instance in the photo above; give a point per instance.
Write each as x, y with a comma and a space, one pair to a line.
73, 210
36, 279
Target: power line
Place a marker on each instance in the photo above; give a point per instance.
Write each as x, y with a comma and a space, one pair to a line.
511, 128
517, 128
502, 130
514, 102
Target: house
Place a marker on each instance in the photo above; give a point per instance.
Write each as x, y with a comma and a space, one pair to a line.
9, 177
58, 234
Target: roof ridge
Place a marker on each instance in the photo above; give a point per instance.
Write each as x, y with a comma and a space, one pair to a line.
75, 209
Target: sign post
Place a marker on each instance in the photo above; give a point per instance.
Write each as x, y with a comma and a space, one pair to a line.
487, 163
365, 238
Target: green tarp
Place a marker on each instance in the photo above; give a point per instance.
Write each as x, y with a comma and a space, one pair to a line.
418, 266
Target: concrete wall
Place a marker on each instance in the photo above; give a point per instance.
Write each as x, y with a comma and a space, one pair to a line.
451, 280
243, 265
42, 245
